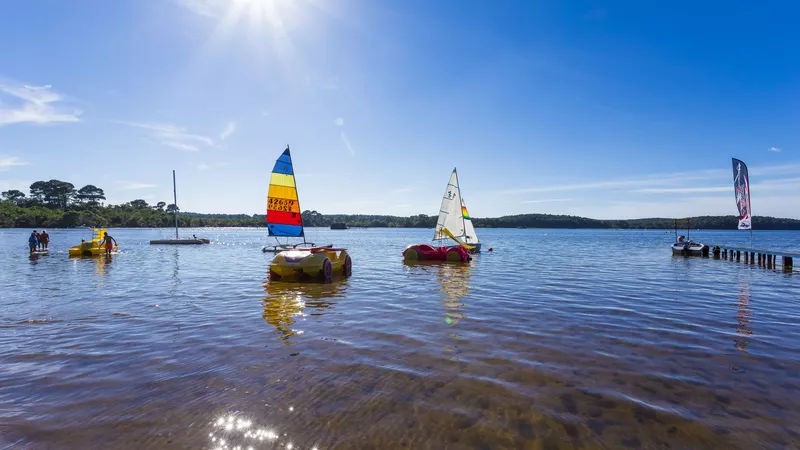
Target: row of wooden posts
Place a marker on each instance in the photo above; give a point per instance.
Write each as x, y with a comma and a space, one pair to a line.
768, 260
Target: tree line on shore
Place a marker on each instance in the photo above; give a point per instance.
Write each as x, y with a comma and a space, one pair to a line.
58, 204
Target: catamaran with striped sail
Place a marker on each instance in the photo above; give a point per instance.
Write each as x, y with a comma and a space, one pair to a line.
453, 223
283, 206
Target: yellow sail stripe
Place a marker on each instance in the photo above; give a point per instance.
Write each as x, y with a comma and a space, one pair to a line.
282, 192
281, 179
447, 232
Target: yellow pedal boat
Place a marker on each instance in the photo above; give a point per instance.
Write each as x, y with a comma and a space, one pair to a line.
316, 263
92, 247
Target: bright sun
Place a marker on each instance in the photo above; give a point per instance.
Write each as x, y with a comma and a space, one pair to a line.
259, 12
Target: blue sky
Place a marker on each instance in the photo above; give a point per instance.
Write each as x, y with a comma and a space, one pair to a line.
599, 109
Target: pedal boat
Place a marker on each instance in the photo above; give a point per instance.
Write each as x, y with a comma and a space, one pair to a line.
425, 252
313, 264
92, 247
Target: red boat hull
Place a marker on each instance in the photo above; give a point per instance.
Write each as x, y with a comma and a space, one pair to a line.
425, 252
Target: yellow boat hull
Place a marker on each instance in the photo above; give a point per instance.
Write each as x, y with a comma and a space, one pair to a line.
93, 247
319, 264
90, 250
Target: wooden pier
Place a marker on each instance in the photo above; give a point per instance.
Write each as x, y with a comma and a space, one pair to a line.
764, 258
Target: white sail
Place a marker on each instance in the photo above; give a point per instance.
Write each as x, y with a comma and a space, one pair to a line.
450, 210
470, 237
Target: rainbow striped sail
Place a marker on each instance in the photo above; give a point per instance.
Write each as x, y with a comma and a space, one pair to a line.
283, 207
464, 211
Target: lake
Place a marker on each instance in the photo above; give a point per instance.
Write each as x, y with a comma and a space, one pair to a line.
556, 339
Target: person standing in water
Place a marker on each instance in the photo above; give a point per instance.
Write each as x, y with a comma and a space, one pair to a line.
44, 239
107, 240
33, 241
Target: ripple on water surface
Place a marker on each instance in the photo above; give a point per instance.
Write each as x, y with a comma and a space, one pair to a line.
547, 342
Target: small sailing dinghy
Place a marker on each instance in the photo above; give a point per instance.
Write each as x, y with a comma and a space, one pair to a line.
302, 261
178, 241
686, 247
283, 207
455, 223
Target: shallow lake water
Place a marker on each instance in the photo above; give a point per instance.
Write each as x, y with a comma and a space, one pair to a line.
556, 339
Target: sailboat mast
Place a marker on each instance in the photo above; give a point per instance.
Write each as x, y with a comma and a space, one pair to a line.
297, 193
175, 201
460, 206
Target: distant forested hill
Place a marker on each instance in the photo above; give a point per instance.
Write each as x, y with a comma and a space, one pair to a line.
57, 204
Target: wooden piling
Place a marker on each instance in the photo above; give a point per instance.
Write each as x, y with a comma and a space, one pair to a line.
764, 258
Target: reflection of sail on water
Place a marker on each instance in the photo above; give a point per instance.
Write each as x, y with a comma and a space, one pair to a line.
454, 283
288, 303
743, 316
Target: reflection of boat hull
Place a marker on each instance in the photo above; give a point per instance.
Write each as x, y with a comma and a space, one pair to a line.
318, 263
425, 252
690, 249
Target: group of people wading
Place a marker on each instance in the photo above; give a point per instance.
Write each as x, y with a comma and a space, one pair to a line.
38, 241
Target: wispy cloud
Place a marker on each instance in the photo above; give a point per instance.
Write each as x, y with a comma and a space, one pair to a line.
230, 128
33, 104
339, 121
347, 143
781, 184
208, 8
775, 149
6, 162
20, 185
402, 190
548, 200
205, 166
181, 146
686, 190
134, 185
672, 181
652, 180
171, 135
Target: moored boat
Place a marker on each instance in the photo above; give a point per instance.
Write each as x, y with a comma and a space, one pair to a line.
686, 247
302, 261
178, 241
312, 264
690, 248
453, 223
